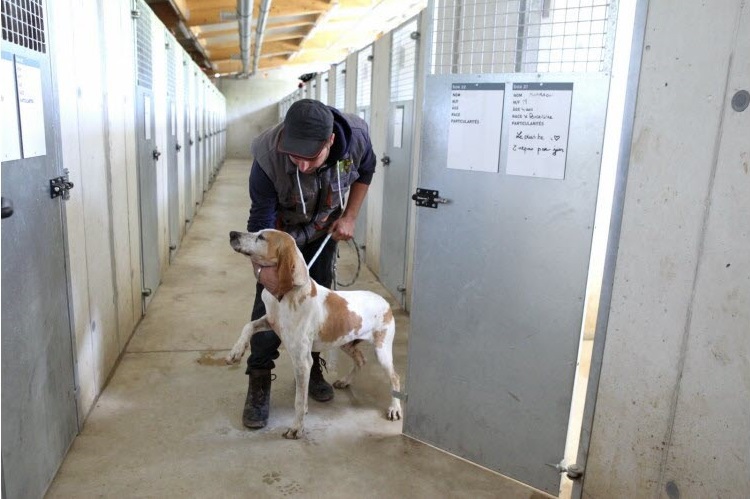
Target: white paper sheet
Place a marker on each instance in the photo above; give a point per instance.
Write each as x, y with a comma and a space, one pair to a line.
11, 145
538, 129
476, 122
147, 116
31, 107
398, 127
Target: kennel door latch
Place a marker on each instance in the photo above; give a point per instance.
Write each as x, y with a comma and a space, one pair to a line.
428, 198
60, 186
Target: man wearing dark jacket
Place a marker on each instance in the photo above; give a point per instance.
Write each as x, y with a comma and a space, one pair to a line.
302, 171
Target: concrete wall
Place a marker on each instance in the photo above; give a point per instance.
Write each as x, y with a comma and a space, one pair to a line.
252, 107
379, 109
672, 415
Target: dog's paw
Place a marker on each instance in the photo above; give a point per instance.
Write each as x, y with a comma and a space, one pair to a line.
340, 384
394, 413
234, 355
293, 434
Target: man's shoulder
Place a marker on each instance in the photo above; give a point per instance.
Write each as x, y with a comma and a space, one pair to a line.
265, 143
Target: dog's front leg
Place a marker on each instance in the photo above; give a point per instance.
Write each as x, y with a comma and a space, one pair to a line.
302, 361
243, 342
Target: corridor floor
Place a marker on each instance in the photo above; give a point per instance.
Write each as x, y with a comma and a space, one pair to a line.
169, 422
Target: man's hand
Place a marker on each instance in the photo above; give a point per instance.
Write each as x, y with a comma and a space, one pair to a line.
343, 229
268, 277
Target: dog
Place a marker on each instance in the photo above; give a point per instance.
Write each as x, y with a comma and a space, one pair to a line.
309, 317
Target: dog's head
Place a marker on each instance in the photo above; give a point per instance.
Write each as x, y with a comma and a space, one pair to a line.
271, 247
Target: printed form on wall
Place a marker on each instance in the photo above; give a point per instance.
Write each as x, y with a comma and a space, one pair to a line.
538, 129
476, 121
11, 144
31, 107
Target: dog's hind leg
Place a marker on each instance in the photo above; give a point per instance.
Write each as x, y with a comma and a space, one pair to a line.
243, 342
359, 361
384, 353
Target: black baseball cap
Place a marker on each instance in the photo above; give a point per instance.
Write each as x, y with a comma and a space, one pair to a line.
307, 126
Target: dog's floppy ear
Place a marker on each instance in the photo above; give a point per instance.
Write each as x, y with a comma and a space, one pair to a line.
291, 267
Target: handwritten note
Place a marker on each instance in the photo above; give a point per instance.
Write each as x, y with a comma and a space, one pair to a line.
476, 120
538, 129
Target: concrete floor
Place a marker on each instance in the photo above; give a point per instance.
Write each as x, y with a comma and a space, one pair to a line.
169, 422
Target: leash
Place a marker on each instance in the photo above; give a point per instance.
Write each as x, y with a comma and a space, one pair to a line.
317, 253
343, 207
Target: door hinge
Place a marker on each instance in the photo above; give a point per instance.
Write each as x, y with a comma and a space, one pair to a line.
573, 471
60, 186
428, 198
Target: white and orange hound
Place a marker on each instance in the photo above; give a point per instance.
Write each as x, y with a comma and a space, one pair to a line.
309, 317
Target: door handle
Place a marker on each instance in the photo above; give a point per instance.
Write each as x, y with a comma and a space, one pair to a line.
156, 154
178, 147
7, 207
385, 160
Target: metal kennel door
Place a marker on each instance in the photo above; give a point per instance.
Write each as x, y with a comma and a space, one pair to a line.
148, 155
396, 162
187, 140
171, 152
500, 271
363, 101
39, 413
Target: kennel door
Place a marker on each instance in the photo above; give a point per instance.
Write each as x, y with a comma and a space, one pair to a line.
39, 409
500, 271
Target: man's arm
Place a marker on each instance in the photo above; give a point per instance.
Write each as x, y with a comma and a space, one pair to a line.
343, 228
263, 200
263, 206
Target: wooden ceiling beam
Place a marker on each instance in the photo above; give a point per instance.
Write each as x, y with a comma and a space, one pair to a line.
209, 4
204, 35
227, 52
282, 36
297, 7
279, 46
228, 66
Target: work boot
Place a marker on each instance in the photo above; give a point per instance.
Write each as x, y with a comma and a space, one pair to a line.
319, 389
255, 414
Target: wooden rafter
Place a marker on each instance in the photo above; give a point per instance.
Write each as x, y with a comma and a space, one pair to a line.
297, 32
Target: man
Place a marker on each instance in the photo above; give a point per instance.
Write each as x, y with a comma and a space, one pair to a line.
299, 180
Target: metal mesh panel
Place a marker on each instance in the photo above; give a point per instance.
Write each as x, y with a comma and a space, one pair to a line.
143, 27
403, 62
23, 24
507, 36
171, 70
324, 88
364, 77
340, 85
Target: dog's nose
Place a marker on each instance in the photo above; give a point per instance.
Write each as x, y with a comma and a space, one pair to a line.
234, 235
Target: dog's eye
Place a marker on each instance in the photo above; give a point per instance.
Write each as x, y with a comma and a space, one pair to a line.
261, 237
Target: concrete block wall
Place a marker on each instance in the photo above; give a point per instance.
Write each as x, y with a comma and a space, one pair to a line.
672, 414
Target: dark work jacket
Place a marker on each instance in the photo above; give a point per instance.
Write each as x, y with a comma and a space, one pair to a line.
275, 194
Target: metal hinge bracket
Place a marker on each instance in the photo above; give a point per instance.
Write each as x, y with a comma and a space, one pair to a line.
573, 471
